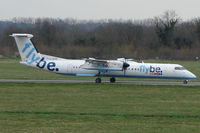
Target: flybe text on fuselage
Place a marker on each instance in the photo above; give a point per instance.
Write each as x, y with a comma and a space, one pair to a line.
51, 66
150, 70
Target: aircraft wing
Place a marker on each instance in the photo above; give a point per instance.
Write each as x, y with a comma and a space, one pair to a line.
102, 65
92, 60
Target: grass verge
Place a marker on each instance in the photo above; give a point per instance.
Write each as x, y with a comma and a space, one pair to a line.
96, 108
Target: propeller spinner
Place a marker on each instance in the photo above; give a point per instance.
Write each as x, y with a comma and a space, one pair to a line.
125, 65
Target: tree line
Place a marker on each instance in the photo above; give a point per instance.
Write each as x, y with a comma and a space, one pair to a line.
162, 37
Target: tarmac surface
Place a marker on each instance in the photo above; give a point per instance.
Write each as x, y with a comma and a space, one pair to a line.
103, 82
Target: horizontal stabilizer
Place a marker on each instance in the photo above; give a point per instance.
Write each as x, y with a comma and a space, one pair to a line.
22, 35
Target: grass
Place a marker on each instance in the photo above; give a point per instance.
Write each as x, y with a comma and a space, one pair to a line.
11, 69
98, 108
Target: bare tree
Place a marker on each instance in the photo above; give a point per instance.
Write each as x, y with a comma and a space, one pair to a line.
165, 26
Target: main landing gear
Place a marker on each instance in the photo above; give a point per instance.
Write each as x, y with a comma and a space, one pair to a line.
185, 82
98, 80
112, 80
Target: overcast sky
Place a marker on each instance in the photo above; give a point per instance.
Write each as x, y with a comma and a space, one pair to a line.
97, 9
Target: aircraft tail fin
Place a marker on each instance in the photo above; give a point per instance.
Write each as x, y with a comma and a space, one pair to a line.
26, 48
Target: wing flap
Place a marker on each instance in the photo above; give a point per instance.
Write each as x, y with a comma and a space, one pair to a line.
92, 60
102, 65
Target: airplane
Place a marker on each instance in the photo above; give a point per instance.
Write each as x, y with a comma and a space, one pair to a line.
92, 67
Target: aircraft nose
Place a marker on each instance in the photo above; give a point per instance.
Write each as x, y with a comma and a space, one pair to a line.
194, 76
191, 75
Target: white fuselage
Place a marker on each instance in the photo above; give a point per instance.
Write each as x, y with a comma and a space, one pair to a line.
135, 70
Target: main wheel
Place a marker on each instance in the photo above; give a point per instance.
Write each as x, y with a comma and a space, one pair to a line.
98, 80
112, 80
185, 82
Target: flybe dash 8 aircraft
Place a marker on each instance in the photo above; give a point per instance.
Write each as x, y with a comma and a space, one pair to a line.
97, 68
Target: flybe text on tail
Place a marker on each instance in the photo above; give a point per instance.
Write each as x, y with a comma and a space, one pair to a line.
31, 51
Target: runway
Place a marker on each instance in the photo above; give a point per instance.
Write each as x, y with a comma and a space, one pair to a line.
104, 82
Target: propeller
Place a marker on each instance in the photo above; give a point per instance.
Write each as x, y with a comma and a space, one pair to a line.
125, 65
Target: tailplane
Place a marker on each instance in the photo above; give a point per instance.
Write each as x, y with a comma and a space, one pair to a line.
26, 48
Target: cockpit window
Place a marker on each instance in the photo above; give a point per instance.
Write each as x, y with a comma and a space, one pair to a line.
179, 68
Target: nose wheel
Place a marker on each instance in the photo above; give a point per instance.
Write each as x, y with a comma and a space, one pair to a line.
185, 82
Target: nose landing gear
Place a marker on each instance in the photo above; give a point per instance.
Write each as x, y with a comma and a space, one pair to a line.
185, 82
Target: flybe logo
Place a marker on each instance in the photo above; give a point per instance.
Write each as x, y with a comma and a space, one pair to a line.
31, 52
51, 66
151, 70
